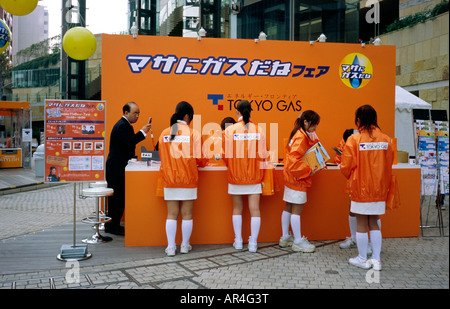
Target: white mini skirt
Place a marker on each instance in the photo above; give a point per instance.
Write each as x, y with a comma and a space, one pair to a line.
180, 194
371, 208
244, 189
294, 196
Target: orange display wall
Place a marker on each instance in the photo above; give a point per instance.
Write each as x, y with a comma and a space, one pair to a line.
281, 79
325, 215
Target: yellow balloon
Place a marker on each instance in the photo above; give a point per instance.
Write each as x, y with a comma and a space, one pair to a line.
79, 43
19, 7
5, 36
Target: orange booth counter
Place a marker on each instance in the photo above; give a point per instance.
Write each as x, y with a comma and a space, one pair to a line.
324, 217
10, 157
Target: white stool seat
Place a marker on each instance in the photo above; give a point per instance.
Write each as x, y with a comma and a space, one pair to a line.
98, 184
98, 192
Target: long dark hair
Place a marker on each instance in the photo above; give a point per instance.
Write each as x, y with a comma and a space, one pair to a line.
183, 108
365, 118
310, 116
244, 107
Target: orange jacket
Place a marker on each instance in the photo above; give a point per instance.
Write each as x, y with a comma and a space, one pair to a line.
367, 164
180, 157
244, 153
212, 148
337, 157
296, 172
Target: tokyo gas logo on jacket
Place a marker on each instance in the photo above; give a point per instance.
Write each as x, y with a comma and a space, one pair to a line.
373, 146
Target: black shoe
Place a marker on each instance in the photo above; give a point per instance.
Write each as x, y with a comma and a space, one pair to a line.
116, 231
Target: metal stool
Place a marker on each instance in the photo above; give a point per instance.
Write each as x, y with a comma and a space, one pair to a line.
103, 207
97, 193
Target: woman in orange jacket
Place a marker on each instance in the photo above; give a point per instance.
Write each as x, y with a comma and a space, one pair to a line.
245, 156
180, 152
367, 164
340, 147
350, 242
297, 179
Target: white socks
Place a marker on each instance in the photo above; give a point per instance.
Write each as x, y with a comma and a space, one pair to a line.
295, 224
171, 231
186, 231
255, 226
362, 240
285, 221
376, 240
294, 221
237, 226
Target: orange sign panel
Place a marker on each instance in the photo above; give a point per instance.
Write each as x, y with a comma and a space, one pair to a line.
280, 78
10, 157
74, 140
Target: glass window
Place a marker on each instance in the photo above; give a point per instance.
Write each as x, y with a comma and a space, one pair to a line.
338, 20
35, 78
299, 20
214, 18
276, 20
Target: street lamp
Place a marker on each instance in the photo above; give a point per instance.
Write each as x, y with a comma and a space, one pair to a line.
134, 30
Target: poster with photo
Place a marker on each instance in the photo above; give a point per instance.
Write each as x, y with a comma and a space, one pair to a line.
74, 140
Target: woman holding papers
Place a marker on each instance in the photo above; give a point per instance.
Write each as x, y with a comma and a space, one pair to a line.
180, 152
297, 179
367, 164
245, 156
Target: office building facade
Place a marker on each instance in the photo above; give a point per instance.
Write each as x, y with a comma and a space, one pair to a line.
294, 20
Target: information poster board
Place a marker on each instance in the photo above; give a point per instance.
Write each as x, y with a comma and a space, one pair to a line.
426, 155
442, 147
74, 140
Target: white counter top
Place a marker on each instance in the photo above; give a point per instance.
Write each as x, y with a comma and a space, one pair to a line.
143, 166
397, 166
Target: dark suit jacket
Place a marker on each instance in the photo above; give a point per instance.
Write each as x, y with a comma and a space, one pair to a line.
122, 145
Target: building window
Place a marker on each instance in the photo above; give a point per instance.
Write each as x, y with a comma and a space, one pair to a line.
300, 20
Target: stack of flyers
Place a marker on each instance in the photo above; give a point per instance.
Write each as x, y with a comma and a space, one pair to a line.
316, 156
429, 177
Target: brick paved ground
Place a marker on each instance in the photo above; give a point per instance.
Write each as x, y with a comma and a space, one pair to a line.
408, 263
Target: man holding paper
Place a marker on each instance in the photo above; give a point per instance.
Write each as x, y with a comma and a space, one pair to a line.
122, 145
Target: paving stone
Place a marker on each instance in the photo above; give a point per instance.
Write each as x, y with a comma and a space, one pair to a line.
158, 273
408, 263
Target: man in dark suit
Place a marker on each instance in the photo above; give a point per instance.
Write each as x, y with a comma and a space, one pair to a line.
122, 145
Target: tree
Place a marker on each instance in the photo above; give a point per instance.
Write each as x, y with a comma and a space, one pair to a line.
5, 72
5, 65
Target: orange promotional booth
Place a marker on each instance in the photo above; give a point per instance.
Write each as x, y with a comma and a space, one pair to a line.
15, 134
281, 79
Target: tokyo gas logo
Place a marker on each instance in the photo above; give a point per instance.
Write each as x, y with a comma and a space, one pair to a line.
261, 102
355, 70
